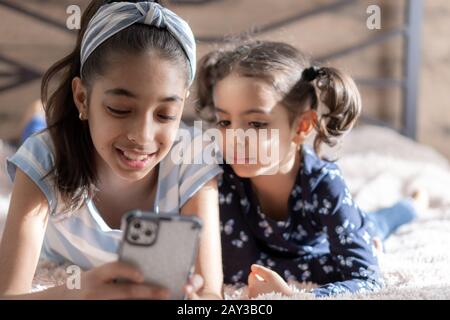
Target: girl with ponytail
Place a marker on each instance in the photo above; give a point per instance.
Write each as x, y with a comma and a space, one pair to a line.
113, 108
297, 222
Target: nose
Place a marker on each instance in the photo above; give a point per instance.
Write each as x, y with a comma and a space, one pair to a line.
142, 131
239, 134
239, 141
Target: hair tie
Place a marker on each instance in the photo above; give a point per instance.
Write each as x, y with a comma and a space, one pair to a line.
312, 73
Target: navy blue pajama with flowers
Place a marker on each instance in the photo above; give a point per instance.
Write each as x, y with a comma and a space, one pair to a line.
326, 238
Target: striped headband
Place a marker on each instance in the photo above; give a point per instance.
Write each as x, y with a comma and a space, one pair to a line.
115, 17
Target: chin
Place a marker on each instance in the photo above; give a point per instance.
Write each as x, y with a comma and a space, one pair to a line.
252, 171
133, 176
246, 171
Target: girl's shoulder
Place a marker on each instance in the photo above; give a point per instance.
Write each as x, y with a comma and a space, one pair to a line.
319, 171
184, 170
35, 158
191, 147
36, 153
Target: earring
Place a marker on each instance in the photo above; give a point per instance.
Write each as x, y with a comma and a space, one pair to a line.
81, 116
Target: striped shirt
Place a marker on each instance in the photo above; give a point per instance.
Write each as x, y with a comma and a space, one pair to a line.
84, 238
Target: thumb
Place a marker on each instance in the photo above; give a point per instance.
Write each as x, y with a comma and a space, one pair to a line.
196, 281
193, 286
253, 278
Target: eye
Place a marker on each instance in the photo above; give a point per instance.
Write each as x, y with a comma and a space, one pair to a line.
118, 111
167, 117
223, 123
258, 125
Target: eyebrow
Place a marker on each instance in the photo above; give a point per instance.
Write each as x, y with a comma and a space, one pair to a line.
127, 93
259, 111
121, 92
173, 98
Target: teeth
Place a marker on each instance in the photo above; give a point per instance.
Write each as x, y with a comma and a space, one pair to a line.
134, 156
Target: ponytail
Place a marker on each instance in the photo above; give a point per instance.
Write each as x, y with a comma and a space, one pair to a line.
71, 137
339, 94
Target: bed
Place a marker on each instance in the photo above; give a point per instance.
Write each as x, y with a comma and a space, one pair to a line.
416, 259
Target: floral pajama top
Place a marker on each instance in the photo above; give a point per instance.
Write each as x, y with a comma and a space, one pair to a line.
325, 239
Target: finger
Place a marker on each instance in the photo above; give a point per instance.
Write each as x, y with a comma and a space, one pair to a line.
122, 291
254, 277
256, 286
263, 272
197, 282
190, 293
115, 270
194, 285
251, 279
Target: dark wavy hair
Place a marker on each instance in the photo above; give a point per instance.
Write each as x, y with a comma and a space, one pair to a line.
281, 65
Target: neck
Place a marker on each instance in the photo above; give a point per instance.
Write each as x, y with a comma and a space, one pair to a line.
274, 190
117, 195
112, 186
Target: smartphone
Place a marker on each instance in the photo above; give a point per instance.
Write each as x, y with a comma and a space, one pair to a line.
163, 247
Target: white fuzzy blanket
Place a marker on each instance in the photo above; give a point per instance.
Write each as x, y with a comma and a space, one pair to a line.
380, 167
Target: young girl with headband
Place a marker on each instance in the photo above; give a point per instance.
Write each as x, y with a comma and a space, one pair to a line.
112, 122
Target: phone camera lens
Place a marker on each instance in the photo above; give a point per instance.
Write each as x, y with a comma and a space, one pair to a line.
135, 237
137, 225
148, 233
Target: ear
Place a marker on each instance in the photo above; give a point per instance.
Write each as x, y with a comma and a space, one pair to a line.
80, 96
303, 125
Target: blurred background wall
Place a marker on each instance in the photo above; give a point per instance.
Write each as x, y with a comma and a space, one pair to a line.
34, 34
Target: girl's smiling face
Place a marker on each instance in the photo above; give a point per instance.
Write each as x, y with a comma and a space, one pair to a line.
134, 112
251, 103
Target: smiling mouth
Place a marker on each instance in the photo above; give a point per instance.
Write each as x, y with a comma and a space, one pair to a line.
135, 156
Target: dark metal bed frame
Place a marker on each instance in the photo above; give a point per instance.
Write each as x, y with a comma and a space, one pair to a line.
410, 32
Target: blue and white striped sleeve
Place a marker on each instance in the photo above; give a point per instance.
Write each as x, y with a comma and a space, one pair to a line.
36, 160
194, 174
194, 177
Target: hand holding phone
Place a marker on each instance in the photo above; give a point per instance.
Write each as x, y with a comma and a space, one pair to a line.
162, 246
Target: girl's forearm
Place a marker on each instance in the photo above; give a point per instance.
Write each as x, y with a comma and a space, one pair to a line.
210, 295
54, 293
